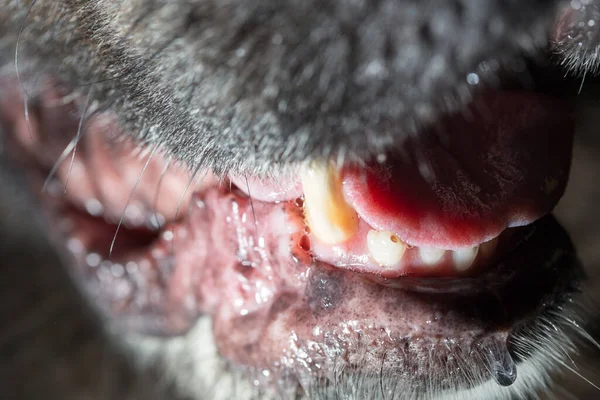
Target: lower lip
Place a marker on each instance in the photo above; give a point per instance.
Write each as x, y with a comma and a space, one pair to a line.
288, 314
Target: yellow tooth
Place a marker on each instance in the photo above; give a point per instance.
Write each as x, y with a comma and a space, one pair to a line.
329, 217
463, 258
385, 247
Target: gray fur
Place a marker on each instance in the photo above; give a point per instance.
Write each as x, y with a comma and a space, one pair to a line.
241, 85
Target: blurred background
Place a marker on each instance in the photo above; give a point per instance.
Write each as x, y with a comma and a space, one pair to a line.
579, 212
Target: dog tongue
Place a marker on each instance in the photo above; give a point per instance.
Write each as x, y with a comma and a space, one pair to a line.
503, 164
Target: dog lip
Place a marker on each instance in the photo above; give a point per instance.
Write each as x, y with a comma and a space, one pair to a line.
502, 163
479, 173
507, 168
331, 312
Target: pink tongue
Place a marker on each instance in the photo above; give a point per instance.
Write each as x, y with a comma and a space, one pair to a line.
504, 164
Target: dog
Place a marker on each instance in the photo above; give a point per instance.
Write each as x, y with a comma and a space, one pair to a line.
297, 199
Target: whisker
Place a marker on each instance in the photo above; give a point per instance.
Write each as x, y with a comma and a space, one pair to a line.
187, 187
64, 154
156, 194
577, 373
58, 162
35, 82
191, 205
588, 337
78, 136
381, 378
137, 182
573, 324
582, 81
18, 74
252, 207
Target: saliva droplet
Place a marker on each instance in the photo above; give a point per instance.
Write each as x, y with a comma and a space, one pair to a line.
499, 361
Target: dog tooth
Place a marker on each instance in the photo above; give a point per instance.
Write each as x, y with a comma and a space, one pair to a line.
385, 247
329, 217
431, 255
463, 258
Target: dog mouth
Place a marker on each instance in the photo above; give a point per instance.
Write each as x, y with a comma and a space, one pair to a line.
423, 263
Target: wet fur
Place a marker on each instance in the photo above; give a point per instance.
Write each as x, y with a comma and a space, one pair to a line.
233, 85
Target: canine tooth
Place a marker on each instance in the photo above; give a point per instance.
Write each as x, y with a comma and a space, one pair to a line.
329, 217
463, 258
385, 247
431, 255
